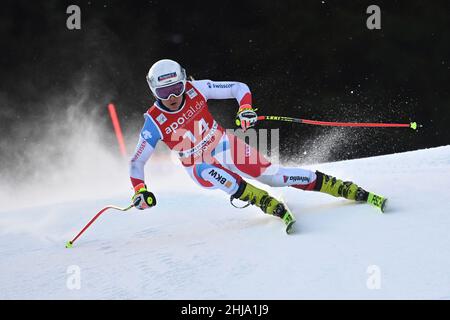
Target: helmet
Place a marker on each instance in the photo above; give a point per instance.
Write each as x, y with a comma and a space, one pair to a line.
165, 78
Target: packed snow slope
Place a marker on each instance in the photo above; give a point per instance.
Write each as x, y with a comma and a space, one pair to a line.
194, 245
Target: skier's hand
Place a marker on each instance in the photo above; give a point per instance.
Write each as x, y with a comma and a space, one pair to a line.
143, 199
246, 117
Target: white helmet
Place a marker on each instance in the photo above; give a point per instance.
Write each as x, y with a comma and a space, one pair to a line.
165, 78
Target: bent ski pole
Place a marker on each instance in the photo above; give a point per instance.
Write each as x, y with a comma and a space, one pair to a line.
412, 125
70, 243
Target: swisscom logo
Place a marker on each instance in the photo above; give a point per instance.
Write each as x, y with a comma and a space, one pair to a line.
219, 85
223, 85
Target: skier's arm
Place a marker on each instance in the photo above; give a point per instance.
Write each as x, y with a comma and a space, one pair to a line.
148, 139
141, 155
224, 90
246, 116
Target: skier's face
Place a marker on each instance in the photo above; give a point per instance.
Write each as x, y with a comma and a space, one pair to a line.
173, 103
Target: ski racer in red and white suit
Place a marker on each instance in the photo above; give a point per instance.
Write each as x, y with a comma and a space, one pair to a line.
212, 157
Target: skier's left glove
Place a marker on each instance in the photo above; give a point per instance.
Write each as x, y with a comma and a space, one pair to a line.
246, 117
143, 199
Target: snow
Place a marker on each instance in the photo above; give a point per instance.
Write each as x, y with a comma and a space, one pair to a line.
194, 245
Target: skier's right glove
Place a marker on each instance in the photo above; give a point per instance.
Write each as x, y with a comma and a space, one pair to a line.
143, 199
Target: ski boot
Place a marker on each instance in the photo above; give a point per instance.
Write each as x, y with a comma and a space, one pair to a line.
268, 204
348, 190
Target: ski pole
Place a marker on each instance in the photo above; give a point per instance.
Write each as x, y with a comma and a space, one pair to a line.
412, 125
70, 243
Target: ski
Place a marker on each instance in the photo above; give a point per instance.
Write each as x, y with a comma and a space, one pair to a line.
288, 219
377, 201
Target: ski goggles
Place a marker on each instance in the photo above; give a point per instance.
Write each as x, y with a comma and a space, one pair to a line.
176, 89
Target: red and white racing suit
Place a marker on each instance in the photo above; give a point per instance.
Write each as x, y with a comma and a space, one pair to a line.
212, 157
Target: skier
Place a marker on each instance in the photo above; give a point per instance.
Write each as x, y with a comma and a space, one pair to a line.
216, 159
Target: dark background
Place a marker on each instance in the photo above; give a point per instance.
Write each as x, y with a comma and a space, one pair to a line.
308, 59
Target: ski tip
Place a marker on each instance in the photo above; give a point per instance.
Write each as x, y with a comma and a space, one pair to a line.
290, 227
69, 244
383, 205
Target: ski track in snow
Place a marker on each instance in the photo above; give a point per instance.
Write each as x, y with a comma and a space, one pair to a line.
194, 245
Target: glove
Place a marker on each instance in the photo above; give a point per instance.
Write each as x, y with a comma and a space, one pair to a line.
246, 117
143, 199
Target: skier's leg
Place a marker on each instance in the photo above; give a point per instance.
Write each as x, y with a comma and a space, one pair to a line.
313, 181
278, 176
239, 157
321, 182
216, 176
251, 165
254, 165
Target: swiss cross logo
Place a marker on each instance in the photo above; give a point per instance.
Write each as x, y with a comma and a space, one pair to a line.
161, 118
146, 134
191, 93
